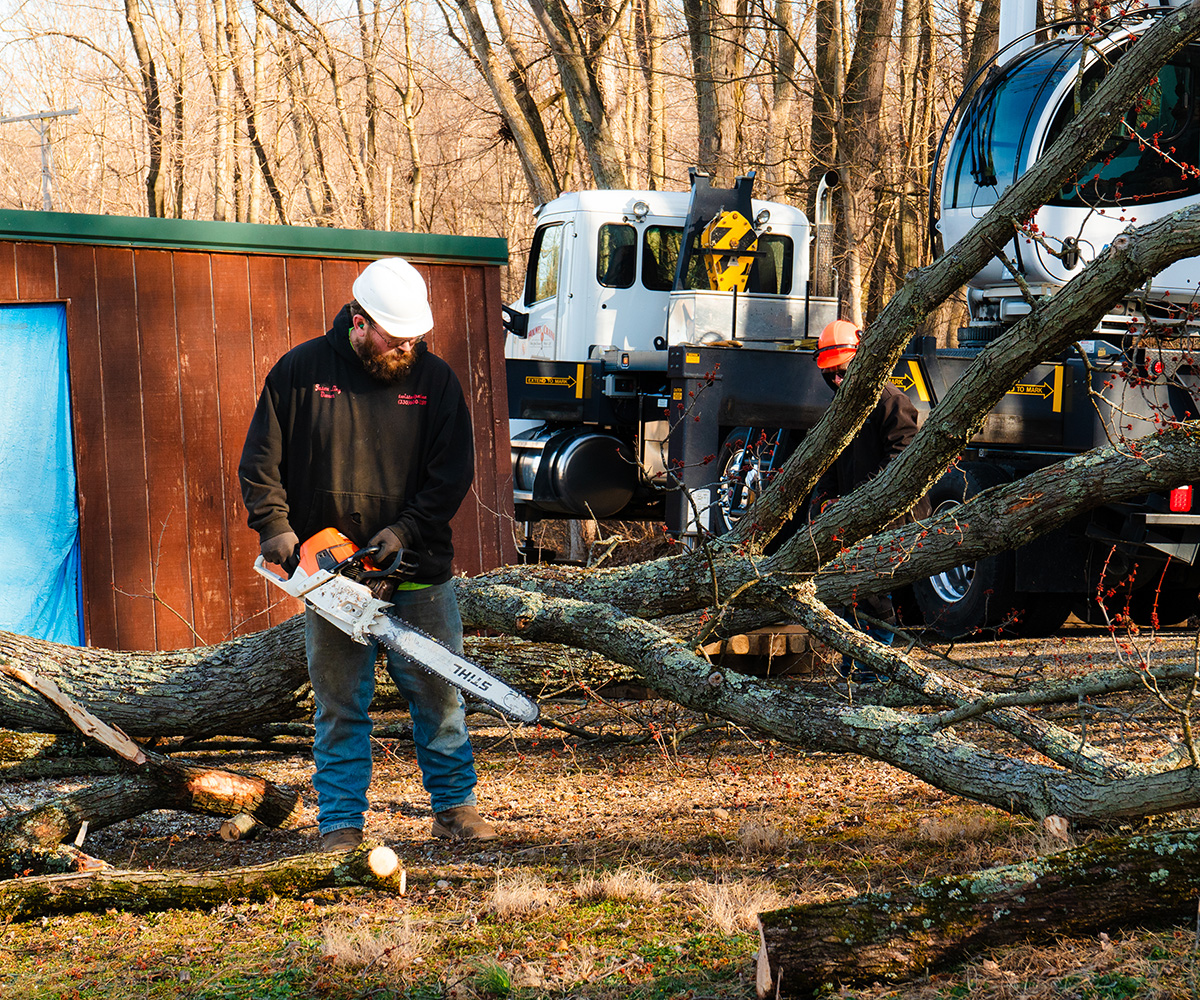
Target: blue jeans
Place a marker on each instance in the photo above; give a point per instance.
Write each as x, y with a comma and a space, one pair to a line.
342, 673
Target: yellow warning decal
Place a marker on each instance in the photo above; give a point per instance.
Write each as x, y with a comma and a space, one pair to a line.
549, 380
677, 394
913, 380
1051, 388
560, 381
691, 359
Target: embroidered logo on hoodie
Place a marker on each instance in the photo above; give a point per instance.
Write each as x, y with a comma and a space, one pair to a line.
326, 391
407, 399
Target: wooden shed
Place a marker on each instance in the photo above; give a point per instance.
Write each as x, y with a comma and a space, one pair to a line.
171, 327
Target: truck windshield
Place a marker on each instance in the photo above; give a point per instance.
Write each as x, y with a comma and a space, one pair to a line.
1150, 155
770, 275
991, 144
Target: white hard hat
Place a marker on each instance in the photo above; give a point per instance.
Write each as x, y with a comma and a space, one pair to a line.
394, 295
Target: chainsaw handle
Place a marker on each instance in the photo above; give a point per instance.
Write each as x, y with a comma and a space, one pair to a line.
263, 568
405, 561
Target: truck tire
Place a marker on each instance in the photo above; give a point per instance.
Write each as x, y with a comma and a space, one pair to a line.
973, 597
748, 459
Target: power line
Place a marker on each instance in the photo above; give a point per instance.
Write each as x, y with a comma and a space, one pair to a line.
41, 123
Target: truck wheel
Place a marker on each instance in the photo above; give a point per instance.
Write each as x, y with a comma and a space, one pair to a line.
968, 598
748, 459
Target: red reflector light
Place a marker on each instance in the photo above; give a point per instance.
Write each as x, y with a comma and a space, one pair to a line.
1181, 499
1158, 368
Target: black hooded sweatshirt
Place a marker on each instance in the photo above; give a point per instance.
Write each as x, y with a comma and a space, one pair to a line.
331, 446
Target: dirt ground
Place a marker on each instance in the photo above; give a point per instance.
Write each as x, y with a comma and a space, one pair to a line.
631, 863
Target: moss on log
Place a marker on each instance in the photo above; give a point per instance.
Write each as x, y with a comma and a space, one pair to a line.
370, 865
893, 936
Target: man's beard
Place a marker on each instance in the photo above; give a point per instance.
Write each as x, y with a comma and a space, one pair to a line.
389, 367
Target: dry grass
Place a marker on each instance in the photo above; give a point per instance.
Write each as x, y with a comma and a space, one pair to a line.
733, 906
357, 945
759, 837
520, 893
628, 884
946, 830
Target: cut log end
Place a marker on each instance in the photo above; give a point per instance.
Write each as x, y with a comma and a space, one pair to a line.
763, 980
383, 861
243, 826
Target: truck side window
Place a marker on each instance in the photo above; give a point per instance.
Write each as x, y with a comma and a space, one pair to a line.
541, 279
772, 274
616, 255
1129, 169
660, 255
992, 141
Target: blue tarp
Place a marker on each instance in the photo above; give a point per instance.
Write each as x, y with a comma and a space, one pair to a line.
39, 517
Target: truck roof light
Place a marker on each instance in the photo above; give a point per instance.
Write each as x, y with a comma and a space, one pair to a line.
640, 210
1181, 499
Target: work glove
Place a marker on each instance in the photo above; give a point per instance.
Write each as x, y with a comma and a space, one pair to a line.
282, 551
387, 543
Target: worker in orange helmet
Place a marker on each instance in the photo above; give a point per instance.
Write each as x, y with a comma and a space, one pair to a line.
886, 432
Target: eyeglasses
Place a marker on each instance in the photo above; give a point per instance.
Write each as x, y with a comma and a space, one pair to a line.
393, 343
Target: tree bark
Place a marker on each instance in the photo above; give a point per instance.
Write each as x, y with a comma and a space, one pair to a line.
166, 784
152, 104
247, 683
370, 865
577, 70
513, 98
898, 935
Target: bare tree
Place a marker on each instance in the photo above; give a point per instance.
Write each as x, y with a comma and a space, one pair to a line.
152, 98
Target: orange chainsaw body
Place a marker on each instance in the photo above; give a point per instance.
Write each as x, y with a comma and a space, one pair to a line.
327, 548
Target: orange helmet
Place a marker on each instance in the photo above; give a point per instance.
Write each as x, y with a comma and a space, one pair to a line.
837, 343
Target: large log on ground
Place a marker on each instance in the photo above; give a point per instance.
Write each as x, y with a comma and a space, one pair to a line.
228, 688
892, 936
370, 865
25, 837
244, 684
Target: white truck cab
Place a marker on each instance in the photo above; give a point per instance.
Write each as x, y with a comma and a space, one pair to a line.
616, 281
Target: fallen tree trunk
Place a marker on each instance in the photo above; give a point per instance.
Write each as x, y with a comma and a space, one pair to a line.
158, 783
893, 936
242, 685
370, 865
209, 689
26, 837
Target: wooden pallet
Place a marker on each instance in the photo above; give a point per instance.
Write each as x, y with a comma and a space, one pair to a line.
782, 651
782, 640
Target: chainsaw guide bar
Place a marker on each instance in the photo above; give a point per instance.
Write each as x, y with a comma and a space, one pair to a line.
352, 607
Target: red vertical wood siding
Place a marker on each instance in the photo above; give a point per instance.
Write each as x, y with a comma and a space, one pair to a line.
168, 351
77, 284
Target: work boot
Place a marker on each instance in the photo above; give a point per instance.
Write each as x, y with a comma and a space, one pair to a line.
462, 823
345, 839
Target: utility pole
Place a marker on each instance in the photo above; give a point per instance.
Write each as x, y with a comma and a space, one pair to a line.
41, 122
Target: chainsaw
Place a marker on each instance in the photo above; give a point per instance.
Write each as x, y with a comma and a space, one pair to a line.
321, 581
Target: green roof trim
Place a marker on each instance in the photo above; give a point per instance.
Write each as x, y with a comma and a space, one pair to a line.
247, 237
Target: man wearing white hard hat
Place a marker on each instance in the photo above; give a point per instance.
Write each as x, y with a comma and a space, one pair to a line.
366, 431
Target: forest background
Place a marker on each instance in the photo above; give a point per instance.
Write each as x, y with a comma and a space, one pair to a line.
460, 117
